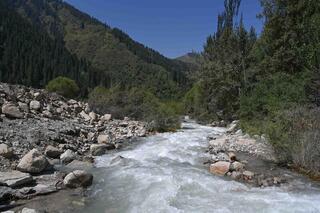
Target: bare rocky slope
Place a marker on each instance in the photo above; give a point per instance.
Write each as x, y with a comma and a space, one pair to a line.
40, 131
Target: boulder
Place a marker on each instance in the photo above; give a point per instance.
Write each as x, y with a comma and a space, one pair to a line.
33, 162
47, 114
85, 116
236, 175
6, 151
35, 105
98, 149
68, 156
78, 165
77, 179
103, 139
247, 175
106, 118
93, 116
15, 179
233, 126
220, 168
53, 152
6, 193
27, 210
236, 166
23, 106
90, 136
218, 142
11, 111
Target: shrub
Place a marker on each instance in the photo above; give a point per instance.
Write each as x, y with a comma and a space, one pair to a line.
136, 103
294, 134
63, 86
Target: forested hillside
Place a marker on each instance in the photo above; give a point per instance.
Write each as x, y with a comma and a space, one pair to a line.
270, 82
29, 56
120, 60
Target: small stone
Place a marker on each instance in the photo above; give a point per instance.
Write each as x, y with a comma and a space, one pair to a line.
103, 139
33, 162
53, 152
220, 168
77, 179
35, 105
6, 151
68, 156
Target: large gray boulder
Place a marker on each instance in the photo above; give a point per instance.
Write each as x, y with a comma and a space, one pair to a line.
33, 162
15, 179
53, 152
220, 168
78, 179
236, 166
6, 193
11, 111
98, 149
85, 116
6, 151
68, 156
93, 116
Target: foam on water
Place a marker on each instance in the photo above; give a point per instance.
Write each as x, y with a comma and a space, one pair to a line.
165, 173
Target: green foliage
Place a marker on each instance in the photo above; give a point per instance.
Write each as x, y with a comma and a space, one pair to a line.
279, 92
283, 81
63, 86
115, 58
31, 57
224, 75
136, 103
194, 103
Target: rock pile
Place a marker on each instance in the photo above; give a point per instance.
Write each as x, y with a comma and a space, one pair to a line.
224, 161
41, 129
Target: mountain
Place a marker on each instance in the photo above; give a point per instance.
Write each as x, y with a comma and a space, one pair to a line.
191, 58
119, 59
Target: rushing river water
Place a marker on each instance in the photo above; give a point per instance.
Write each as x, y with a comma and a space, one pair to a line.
165, 173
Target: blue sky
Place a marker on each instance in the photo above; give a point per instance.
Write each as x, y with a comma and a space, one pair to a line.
172, 27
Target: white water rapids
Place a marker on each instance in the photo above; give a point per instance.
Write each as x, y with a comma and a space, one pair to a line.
165, 173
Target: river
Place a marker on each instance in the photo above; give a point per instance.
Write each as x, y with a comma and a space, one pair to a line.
165, 173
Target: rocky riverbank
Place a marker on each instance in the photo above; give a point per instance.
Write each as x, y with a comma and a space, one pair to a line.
41, 131
243, 158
